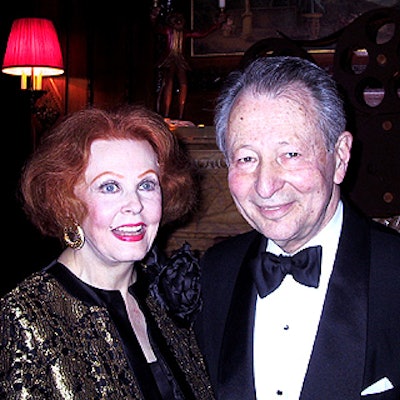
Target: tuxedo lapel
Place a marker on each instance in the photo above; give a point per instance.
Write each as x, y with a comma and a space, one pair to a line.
236, 378
337, 362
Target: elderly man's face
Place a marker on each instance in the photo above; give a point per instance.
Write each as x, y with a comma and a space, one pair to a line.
282, 178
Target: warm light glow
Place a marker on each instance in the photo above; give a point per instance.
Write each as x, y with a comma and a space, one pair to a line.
33, 50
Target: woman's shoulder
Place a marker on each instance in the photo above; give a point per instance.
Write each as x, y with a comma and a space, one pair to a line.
28, 303
27, 289
40, 293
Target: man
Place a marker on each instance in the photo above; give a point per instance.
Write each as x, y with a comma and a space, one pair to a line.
281, 126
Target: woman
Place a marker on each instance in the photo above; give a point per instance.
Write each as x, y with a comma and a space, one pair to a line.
104, 320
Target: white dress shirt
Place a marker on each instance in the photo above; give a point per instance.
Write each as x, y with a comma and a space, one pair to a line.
286, 323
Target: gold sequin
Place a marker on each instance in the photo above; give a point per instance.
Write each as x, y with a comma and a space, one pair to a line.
54, 346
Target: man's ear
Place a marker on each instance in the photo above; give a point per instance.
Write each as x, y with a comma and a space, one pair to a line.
342, 156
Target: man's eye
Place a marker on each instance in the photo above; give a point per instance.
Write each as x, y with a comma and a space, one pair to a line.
292, 154
246, 159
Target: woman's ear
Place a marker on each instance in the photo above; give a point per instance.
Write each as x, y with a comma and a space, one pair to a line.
342, 156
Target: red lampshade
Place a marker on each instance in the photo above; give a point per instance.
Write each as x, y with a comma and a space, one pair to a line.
33, 50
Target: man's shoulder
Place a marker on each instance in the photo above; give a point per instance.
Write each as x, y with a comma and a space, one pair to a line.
357, 222
385, 247
385, 231
232, 243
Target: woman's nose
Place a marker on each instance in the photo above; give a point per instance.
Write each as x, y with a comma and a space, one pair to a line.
132, 204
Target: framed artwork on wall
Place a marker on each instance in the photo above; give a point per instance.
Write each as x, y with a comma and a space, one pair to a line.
248, 21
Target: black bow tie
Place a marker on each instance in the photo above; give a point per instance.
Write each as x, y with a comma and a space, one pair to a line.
269, 269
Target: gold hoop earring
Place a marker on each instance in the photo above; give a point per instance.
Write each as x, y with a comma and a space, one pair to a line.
74, 236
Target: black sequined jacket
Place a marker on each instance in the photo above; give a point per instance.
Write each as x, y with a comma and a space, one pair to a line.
58, 341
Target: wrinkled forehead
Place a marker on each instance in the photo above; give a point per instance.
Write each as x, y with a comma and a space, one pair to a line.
296, 92
264, 118
293, 102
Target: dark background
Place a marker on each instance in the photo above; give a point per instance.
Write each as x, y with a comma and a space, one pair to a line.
110, 57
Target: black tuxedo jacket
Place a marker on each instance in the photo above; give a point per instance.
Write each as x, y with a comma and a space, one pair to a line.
358, 339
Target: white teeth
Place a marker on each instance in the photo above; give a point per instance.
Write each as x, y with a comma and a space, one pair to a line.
129, 229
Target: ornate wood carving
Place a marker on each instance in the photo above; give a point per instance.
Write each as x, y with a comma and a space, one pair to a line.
217, 216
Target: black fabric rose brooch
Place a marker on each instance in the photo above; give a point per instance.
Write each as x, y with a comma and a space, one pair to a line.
177, 285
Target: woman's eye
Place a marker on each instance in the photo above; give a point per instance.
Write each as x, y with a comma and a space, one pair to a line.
147, 185
109, 187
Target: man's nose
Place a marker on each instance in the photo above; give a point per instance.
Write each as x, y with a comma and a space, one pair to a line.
269, 179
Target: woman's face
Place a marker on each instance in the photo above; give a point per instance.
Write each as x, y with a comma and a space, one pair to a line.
122, 191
